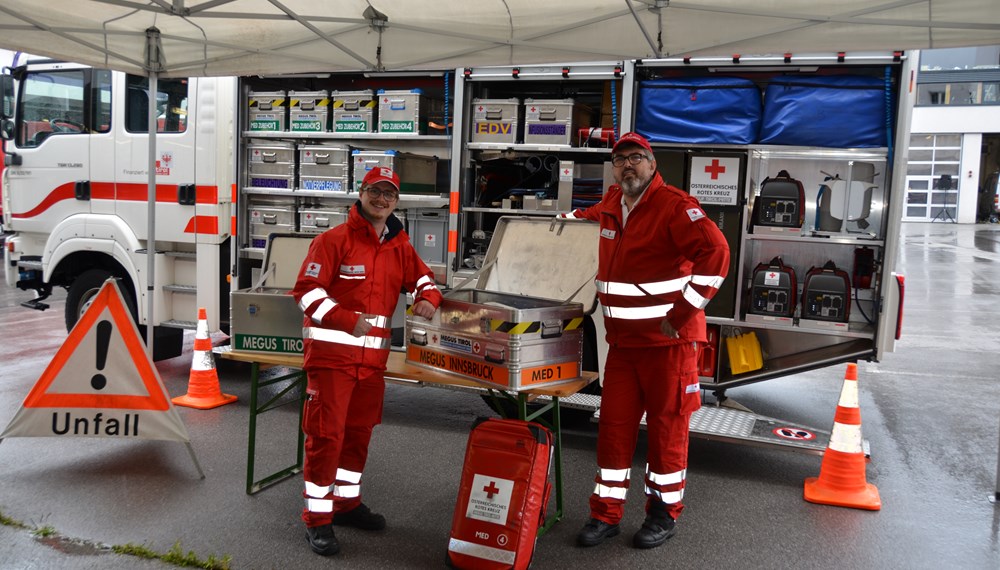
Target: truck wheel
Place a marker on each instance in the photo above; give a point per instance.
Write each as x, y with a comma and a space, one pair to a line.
83, 290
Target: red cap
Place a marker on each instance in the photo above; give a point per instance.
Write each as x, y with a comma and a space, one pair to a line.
633, 139
381, 174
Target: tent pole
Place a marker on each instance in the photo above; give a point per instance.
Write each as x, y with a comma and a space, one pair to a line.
152, 65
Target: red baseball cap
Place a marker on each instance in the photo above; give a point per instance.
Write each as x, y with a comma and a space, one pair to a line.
632, 139
381, 174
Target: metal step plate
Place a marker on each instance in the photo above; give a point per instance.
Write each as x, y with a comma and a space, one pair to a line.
738, 426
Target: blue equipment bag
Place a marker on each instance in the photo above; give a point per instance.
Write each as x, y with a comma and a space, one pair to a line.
842, 111
698, 110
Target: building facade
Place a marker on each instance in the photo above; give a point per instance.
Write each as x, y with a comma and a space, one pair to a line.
955, 140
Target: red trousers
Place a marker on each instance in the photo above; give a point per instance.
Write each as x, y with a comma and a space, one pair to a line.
661, 382
342, 407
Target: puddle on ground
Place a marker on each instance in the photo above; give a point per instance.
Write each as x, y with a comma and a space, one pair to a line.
71, 546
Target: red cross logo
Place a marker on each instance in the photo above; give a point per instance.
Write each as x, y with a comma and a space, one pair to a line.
565, 172
532, 109
491, 490
480, 108
772, 275
715, 169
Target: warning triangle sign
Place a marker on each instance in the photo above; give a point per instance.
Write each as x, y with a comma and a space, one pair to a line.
101, 383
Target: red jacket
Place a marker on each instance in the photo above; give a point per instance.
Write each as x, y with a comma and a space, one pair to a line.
347, 272
669, 260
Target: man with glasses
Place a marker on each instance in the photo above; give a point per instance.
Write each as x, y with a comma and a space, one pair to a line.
660, 261
347, 289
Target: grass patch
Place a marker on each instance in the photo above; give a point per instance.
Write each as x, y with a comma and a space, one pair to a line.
44, 531
7, 521
175, 555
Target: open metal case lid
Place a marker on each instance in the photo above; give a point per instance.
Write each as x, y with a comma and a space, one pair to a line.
551, 258
283, 258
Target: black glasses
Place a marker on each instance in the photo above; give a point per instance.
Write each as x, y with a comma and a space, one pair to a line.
389, 195
633, 159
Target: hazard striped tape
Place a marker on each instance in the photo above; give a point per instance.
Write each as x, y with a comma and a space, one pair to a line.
365, 104
529, 327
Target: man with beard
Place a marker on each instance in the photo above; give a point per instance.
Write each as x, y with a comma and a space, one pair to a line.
347, 289
660, 262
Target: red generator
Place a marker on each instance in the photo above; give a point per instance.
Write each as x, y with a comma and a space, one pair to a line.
826, 294
503, 495
781, 203
773, 289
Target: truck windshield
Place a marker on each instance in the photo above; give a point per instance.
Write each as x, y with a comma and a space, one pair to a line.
50, 102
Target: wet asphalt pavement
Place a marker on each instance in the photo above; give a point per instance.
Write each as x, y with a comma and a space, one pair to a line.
931, 413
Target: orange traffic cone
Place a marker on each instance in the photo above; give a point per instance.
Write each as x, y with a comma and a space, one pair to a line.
203, 383
841, 480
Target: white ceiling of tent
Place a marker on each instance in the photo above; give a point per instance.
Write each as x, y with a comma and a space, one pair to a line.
248, 37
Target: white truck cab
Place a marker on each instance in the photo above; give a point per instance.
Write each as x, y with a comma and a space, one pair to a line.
75, 191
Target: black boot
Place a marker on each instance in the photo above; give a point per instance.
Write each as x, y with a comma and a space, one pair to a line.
322, 540
595, 531
656, 529
360, 517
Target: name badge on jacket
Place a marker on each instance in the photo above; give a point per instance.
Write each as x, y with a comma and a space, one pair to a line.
352, 271
608, 233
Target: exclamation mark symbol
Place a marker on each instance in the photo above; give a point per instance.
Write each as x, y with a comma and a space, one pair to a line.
98, 382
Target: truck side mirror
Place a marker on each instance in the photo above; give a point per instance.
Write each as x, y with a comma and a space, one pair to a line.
7, 94
6, 129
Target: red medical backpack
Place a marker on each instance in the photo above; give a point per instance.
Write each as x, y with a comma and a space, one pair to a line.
503, 495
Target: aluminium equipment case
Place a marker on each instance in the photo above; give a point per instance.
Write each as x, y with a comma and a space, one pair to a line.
353, 111
266, 110
271, 165
417, 173
265, 318
402, 111
308, 111
324, 168
503, 495
553, 121
495, 120
522, 326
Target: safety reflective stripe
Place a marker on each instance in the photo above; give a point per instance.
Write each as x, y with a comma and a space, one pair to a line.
341, 337
709, 280
349, 476
695, 298
347, 491
617, 475
378, 321
203, 360
424, 281
319, 505
315, 503
636, 313
670, 497
345, 276
317, 491
481, 551
325, 307
846, 438
606, 492
665, 478
311, 297
641, 289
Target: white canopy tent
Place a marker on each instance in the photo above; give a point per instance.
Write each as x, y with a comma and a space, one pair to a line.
183, 38
249, 37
